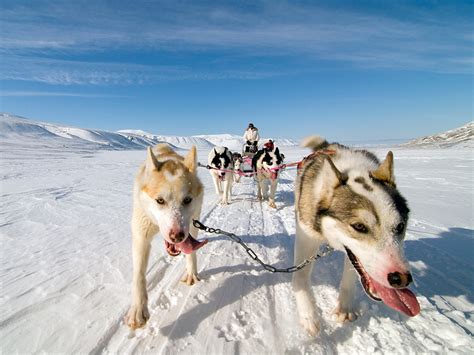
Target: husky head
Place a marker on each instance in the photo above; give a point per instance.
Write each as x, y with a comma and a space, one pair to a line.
268, 161
171, 194
221, 158
238, 164
360, 211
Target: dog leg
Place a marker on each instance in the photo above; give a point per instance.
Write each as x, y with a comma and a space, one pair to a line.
305, 247
265, 189
259, 189
344, 310
227, 186
191, 275
138, 314
217, 185
271, 199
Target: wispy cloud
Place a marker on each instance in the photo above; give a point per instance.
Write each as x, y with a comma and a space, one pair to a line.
37, 30
67, 72
57, 94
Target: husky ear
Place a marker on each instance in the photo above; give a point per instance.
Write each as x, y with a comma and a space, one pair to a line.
385, 171
277, 151
151, 162
190, 161
330, 178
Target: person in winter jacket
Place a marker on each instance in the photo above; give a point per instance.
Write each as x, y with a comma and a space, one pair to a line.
251, 136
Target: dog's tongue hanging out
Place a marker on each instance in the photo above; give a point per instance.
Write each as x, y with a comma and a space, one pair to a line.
402, 300
187, 247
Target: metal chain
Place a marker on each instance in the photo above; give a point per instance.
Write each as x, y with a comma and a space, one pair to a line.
325, 250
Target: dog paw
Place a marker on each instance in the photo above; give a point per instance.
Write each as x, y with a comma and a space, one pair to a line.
344, 315
190, 279
137, 316
311, 325
272, 204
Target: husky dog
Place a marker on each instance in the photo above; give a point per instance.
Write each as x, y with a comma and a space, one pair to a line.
349, 199
220, 158
167, 195
238, 168
267, 165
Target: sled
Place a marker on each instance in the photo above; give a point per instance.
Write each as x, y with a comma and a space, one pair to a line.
248, 151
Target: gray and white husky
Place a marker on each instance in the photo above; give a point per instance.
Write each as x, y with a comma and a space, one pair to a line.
349, 199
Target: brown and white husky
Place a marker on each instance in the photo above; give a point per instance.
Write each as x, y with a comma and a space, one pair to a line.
349, 199
167, 196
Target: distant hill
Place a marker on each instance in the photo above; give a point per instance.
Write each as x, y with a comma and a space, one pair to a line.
20, 130
458, 137
145, 138
17, 130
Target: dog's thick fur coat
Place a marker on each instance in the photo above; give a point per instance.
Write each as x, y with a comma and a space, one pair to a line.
167, 195
220, 158
349, 199
267, 165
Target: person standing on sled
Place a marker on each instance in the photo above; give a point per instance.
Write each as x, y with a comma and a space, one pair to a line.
251, 137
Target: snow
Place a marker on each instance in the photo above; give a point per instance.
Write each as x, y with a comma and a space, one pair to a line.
66, 260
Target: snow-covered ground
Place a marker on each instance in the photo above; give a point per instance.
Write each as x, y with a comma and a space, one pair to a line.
66, 263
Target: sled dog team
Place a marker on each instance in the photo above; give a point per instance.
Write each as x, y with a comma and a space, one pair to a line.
225, 168
344, 197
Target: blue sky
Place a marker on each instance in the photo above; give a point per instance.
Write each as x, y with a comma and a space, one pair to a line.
358, 70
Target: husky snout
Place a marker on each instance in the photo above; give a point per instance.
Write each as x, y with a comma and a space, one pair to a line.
399, 280
177, 236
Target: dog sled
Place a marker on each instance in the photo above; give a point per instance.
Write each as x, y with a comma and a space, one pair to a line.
248, 151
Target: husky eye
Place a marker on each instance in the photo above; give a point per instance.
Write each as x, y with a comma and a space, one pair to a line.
359, 227
187, 200
400, 228
160, 201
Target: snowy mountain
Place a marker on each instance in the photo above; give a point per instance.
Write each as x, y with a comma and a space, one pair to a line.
145, 139
459, 137
16, 129
231, 141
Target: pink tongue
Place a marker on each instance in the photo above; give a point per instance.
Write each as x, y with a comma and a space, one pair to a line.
190, 245
402, 300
